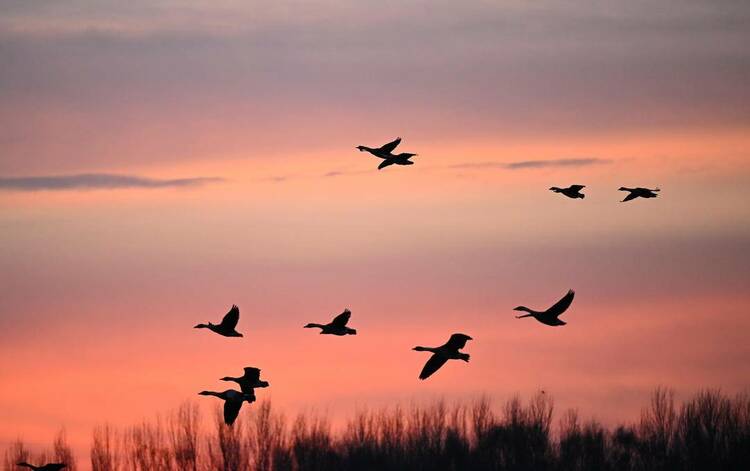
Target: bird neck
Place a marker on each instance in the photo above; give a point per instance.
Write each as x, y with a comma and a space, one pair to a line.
424, 349
525, 309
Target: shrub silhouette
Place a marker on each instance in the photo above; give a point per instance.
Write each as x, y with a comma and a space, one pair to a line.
710, 430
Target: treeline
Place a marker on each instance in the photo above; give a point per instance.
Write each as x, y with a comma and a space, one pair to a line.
710, 431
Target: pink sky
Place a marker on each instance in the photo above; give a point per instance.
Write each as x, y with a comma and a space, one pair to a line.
101, 287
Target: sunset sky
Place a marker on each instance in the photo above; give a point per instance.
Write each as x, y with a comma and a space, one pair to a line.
199, 154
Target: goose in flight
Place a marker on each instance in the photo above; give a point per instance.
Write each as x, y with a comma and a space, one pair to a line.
550, 316
248, 382
443, 353
337, 326
639, 193
385, 152
46, 467
227, 325
232, 402
573, 191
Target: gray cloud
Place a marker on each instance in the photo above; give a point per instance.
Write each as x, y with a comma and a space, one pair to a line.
554, 163
93, 181
523, 164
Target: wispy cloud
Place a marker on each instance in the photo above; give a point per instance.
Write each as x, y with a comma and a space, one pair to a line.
338, 173
92, 181
524, 164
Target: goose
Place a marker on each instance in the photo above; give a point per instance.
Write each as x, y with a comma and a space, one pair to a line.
385, 152
46, 467
337, 326
232, 402
227, 325
248, 382
550, 316
573, 191
639, 193
443, 353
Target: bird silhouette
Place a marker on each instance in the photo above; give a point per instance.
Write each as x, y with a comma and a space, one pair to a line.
573, 191
385, 152
639, 193
46, 467
337, 326
248, 382
550, 316
227, 325
232, 402
443, 353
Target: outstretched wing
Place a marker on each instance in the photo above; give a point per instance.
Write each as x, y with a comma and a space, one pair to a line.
562, 305
577, 187
633, 195
386, 163
388, 148
342, 319
457, 341
432, 365
252, 374
231, 411
232, 317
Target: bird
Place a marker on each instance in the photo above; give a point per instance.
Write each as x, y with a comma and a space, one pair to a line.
337, 326
573, 191
227, 325
385, 152
550, 316
639, 193
248, 382
233, 400
443, 353
46, 467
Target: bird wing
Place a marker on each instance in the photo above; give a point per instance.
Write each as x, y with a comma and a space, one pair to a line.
386, 163
231, 411
563, 304
633, 195
577, 187
388, 148
252, 374
232, 317
432, 365
457, 341
342, 319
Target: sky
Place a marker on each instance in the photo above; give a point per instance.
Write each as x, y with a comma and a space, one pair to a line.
161, 161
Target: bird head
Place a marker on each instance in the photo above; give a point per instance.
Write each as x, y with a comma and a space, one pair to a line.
622, 188
361, 148
521, 308
227, 378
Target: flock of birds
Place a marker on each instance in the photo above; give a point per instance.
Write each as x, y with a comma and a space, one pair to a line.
234, 399
250, 380
385, 152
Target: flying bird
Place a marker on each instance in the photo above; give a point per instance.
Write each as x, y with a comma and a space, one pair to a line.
573, 191
550, 316
248, 382
385, 152
232, 402
443, 353
337, 326
46, 467
227, 325
639, 193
